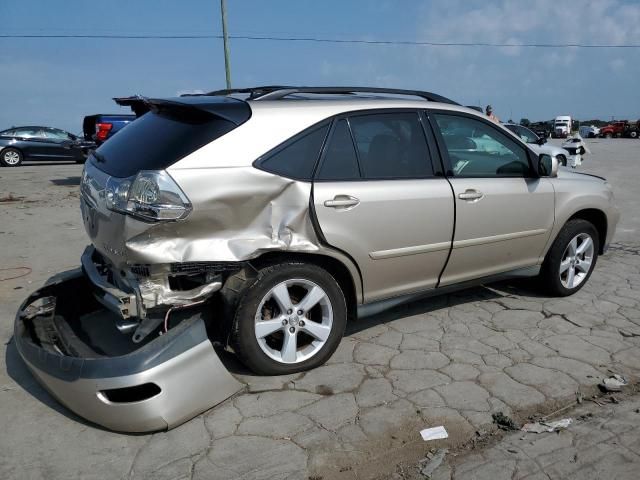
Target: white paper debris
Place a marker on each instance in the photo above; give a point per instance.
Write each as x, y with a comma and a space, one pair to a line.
614, 383
540, 427
435, 433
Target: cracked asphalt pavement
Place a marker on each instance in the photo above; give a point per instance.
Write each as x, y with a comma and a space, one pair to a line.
452, 360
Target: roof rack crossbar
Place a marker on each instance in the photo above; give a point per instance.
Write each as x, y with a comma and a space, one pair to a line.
276, 92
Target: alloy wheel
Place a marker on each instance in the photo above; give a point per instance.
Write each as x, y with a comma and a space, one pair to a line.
576, 261
293, 321
11, 157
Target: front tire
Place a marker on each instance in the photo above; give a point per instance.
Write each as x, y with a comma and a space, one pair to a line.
10, 157
571, 259
289, 317
562, 160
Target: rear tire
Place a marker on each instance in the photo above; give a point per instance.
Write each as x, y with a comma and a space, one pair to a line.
270, 334
571, 259
10, 157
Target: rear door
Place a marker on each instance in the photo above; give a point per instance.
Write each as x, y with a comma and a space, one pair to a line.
504, 213
31, 142
379, 197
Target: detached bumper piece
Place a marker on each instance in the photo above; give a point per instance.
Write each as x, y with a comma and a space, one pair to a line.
71, 344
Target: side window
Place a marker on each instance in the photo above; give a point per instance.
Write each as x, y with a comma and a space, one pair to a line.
297, 159
391, 145
479, 150
8, 133
56, 134
340, 161
27, 132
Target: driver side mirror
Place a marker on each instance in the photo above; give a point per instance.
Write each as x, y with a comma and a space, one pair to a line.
541, 141
547, 166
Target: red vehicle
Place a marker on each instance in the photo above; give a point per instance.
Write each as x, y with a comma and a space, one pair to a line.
621, 129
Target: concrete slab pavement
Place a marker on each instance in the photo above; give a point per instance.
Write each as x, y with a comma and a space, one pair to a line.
450, 361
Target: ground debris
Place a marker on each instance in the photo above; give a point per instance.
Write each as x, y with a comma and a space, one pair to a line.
614, 383
10, 198
504, 422
627, 334
541, 427
432, 462
435, 433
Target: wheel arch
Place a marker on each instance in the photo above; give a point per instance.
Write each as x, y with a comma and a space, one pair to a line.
13, 147
598, 219
339, 271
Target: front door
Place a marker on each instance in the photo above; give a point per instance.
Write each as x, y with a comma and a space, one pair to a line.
59, 145
377, 198
504, 213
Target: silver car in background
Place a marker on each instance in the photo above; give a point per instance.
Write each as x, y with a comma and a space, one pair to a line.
539, 144
260, 221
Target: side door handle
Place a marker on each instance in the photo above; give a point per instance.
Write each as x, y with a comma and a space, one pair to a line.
470, 195
343, 202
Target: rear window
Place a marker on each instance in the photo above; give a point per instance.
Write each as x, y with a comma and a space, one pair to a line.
157, 140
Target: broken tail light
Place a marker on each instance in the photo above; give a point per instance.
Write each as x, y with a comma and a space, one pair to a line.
150, 195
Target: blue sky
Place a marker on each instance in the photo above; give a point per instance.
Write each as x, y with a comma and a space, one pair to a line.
58, 81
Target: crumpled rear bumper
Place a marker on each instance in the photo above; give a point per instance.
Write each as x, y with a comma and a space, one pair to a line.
68, 341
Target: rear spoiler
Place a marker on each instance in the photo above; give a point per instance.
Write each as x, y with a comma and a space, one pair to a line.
136, 102
230, 109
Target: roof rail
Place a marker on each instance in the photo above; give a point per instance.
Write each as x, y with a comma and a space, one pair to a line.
284, 92
254, 92
276, 92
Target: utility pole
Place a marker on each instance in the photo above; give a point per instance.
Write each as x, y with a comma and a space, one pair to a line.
227, 65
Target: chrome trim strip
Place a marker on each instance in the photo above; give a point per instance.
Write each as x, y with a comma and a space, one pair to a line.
472, 242
414, 250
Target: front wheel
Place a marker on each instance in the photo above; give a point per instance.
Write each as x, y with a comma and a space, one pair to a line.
562, 160
10, 157
289, 318
571, 259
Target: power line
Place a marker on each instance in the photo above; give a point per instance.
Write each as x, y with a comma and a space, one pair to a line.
325, 40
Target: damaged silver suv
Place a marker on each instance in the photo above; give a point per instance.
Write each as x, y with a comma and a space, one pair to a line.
263, 219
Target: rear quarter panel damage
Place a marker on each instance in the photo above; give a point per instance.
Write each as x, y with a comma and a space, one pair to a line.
237, 214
